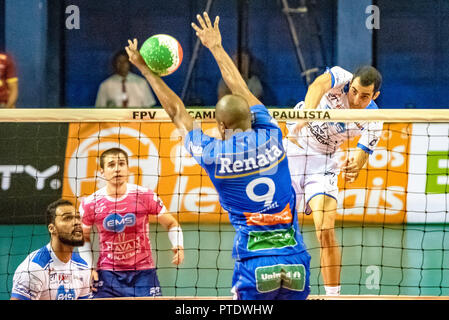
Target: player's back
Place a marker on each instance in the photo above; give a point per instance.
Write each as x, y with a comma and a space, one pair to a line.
251, 175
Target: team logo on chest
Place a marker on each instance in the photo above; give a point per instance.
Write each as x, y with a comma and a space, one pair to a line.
117, 223
63, 294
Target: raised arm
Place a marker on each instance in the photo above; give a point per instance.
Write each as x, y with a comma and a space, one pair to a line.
317, 90
211, 38
169, 100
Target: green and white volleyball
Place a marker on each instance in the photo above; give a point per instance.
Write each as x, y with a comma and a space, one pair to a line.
162, 53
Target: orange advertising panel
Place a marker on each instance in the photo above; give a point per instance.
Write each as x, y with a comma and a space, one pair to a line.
380, 192
158, 160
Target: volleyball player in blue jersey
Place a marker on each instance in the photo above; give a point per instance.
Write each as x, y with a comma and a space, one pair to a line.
250, 172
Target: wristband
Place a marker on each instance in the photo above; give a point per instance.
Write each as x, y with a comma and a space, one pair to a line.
176, 237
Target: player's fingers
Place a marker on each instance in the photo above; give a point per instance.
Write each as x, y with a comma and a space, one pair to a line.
195, 27
201, 21
217, 21
176, 259
349, 170
129, 46
181, 257
346, 164
350, 176
296, 129
207, 20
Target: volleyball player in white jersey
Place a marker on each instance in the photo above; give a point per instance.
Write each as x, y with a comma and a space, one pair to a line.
311, 149
55, 271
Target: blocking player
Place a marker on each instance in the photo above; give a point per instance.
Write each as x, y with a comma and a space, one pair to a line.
312, 147
249, 170
121, 213
55, 271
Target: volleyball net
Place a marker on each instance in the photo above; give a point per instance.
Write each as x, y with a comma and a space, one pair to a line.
391, 222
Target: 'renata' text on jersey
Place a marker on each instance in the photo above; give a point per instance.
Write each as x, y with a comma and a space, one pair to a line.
327, 137
42, 276
251, 175
123, 227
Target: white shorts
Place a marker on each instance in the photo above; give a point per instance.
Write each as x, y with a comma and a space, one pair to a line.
312, 174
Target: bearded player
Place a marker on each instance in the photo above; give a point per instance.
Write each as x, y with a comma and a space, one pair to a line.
55, 272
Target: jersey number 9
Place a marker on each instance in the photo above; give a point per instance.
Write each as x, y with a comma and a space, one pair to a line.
267, 197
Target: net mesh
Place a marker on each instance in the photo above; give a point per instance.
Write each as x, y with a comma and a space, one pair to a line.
391, 223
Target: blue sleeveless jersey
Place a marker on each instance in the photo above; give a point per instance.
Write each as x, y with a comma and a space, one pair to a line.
251, 175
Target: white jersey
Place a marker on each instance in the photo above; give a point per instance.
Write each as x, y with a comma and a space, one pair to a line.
42, 276
326, 137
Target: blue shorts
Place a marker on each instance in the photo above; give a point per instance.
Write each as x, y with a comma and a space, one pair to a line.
140, 283
272, 278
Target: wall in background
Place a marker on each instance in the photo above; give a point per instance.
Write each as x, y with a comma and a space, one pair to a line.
410, 48
105, 29
412, 53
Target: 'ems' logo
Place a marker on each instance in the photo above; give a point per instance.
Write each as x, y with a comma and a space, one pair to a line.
117, 223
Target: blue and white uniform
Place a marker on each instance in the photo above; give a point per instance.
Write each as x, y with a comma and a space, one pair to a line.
251, 175
314, 163
42, 276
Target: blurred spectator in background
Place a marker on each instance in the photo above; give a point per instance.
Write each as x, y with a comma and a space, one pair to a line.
247, 71
9, 83
124, 88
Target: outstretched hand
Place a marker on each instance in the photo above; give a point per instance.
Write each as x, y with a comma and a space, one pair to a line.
296, 130
350, 170
134, 55
209, 35
178, 257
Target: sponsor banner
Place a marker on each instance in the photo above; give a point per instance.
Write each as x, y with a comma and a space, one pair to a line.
158, 160
270, 278
428, 183
406, 178
273, 239
31, 170
379, 194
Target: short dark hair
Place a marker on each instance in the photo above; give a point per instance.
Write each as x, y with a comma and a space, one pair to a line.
369, 75
52, 207
116, 56
112, 151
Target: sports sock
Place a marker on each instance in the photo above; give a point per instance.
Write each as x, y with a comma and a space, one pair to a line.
332, 291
